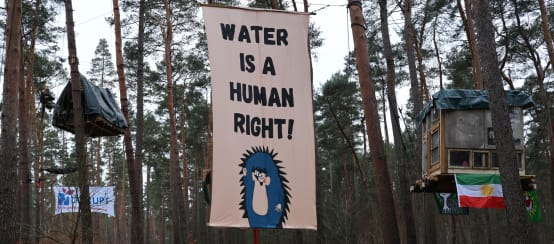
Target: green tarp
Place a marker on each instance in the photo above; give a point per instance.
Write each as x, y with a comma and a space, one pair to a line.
103, 116
463, 99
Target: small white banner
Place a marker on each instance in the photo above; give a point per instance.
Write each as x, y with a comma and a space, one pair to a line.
101, 199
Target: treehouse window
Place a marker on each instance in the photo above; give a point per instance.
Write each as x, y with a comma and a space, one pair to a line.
424, 154
494, 160
519, 156
519, 160
435, 114
428, 123
480, 159
435, 156
458, 158
490, 136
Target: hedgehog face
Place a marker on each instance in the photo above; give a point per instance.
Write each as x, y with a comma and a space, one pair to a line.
265, 192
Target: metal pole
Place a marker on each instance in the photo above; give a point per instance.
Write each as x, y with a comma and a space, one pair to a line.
256, 236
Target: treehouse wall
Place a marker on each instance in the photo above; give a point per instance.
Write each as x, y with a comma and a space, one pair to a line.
463, 141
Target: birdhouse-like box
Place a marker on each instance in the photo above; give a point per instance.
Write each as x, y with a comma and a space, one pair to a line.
458, 137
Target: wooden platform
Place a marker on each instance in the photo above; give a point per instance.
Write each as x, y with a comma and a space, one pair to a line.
95, 126
446, 183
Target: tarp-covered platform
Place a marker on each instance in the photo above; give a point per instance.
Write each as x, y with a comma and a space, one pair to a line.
102, 114
461, 99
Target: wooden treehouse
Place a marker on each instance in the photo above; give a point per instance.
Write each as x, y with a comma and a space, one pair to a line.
102, 115
458, 137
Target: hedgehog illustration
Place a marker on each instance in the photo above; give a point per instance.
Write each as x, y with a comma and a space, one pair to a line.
265, 193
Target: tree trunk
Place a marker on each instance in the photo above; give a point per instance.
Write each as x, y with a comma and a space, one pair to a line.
24, 172
415, 94
467, 21
185, 161
139, 134
418, 43
120, 202
134, 170
148, 228
429, 210
27, 116
389, 228
98, 173
34, 232
8, 140
521, 230
437, 54
161, 237
545, 98
111, 182
38, 174
177, 200
400, 148
78, 120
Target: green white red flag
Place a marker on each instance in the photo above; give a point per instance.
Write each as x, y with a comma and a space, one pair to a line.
479, 191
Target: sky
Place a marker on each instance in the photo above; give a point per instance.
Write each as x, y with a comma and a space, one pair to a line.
330, 16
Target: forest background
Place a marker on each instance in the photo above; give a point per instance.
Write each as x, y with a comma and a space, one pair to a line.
169, 112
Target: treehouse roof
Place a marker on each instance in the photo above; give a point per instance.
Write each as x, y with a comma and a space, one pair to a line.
465, 99
103, 116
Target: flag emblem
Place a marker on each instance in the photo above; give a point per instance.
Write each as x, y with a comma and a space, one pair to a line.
487, 190
479, 191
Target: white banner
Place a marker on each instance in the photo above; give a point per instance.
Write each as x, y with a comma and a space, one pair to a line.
102, 199
263, 151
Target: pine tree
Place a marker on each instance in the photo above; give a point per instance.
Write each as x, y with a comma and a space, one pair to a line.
102, 69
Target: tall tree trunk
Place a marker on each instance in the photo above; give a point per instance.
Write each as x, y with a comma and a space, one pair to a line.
389, 229
423, 90
24, 172
400, 148
134, 170
388, 153
437, 54
416, 97
520, 228
78, 120
29, 119
98, 170
545, 98
429, 212
415, 94
8, 141
506, 56
185, 161
111, 182
38, 174
161, 237
120, 202
177, 200
418, 43
139, 135
34, 232
148, 216
467, 21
